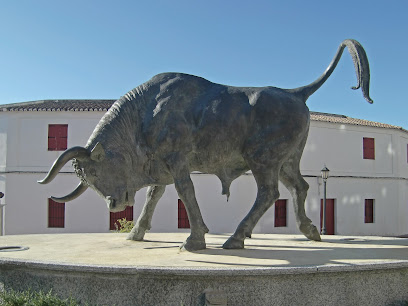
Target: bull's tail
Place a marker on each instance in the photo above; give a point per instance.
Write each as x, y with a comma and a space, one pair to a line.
360, 63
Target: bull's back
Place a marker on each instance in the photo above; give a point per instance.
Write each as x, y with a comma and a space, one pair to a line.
213, 123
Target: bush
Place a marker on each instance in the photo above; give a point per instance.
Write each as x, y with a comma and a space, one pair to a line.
124, 225
32, 298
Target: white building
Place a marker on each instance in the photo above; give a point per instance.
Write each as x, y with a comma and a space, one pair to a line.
367, 190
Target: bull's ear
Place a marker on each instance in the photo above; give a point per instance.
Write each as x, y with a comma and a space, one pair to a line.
98, 153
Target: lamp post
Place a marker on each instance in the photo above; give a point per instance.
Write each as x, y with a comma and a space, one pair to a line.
325, 175
2, 227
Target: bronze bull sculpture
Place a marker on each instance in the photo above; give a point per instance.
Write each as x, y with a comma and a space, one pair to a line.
161, 131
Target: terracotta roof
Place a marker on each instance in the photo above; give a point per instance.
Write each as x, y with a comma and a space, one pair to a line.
59, 105
104, 105
324, 117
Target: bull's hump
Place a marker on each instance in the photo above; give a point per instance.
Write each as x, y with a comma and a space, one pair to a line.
178, 77
168, 76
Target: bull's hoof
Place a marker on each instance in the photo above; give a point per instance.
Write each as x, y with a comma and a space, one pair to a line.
191, 245
233, 243
311, 232
136, 234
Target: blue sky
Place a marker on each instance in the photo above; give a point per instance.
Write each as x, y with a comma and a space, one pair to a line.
102, 49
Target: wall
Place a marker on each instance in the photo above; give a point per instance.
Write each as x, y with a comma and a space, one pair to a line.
402, 151
28, 160
340, 147
27, 206
27, 141
3, 161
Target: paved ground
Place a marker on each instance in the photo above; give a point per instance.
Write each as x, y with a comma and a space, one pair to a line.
162, 250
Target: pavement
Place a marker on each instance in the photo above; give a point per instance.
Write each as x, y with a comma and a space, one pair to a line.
162, 250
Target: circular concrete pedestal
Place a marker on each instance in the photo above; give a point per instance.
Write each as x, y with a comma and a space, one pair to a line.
107, 269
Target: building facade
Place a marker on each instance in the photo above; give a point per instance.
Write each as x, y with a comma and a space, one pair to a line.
367, 191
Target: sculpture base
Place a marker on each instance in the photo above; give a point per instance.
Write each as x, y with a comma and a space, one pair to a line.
107, 269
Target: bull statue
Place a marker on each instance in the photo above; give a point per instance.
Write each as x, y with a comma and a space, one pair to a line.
161, 131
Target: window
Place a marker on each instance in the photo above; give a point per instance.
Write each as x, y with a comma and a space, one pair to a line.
280, 213
115, 216
57, 137
182, 216
368, 148
56, 214
369, 211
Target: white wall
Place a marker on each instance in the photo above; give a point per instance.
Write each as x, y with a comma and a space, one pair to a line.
28, 137
350, 195
27, 206
3, 159
28, 160
340, 147
3, 142
402, 151
403, 208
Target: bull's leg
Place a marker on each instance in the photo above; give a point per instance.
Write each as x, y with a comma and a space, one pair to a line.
178, 167
290, 176
268, 193
153, 195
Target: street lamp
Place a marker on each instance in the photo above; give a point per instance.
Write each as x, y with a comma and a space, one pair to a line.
2, 227
325, 175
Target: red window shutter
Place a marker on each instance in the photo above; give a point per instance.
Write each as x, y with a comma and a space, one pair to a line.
57, 137
368, 148
369, 211
56, 214
330, 216
52, 144
280, 213
52, 137
52, 132
62, 137
183, 221
115, 216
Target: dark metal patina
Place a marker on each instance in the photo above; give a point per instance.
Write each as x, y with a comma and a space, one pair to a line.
161, 131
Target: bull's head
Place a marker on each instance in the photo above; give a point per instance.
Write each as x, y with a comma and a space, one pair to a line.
97, 170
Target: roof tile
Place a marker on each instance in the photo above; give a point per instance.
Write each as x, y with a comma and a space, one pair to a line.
59, 105
324, 117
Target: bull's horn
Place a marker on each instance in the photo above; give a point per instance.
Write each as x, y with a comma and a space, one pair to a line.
73, 195
74, 152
